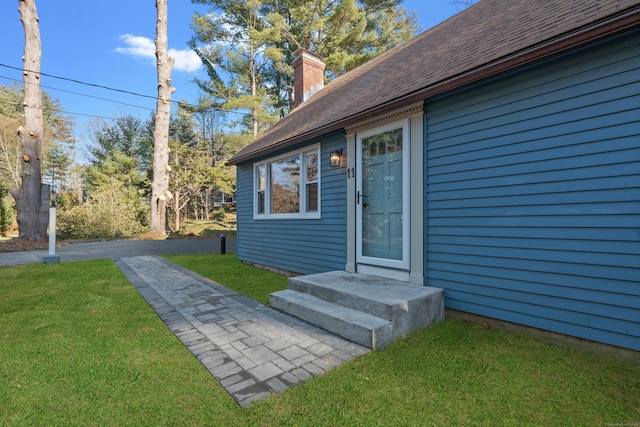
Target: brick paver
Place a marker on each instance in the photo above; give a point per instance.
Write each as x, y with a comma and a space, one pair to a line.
251, 349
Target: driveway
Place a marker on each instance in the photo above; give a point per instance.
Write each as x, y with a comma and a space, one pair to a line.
118, 249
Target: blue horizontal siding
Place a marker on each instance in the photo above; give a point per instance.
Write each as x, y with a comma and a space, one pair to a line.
301, 246
498, 167
542, 188
566, 285
454, 183
561, 307
545, 244
614, 334
528, 266
530, 90
533, 195
575, 233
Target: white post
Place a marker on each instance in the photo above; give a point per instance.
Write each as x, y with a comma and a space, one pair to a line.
52, 258
52, 230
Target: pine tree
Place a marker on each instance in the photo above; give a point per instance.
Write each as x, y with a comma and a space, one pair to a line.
247, 47
234, 44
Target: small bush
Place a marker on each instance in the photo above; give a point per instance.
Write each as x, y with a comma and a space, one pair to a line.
7, 214
112, 211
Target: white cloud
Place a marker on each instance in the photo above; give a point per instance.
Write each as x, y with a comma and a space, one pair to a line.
144, 47
141, 47
186, 60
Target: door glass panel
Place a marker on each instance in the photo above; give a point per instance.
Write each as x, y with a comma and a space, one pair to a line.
382, 195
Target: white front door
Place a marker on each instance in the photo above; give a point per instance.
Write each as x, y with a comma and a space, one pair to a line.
382, 197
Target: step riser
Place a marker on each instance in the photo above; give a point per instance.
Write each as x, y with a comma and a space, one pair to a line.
419, 314
352, 332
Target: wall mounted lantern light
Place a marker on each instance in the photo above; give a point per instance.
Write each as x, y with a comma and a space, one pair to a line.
334, 158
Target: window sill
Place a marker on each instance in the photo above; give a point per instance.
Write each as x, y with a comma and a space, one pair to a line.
286, 216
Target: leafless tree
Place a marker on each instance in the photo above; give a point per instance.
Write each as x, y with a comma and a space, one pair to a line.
160, 186
31, 195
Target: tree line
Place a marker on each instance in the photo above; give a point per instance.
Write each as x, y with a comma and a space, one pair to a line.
246, 48
107, 193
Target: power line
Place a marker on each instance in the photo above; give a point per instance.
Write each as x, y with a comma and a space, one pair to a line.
99, 86
85, 95
84, 83
155, 98
81, 94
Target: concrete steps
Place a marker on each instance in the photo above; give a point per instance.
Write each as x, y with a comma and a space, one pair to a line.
368, 310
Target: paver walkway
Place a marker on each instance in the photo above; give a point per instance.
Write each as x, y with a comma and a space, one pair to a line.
251, 349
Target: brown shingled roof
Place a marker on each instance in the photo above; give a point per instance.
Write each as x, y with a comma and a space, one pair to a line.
488, 38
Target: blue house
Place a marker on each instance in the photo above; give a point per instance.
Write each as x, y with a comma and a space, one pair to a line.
495, 156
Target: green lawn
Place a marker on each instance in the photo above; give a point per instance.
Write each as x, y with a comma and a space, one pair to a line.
228, 271
79, 346
220, 222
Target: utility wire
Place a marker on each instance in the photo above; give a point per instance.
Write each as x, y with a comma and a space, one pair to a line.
82, 94
17, 103
83, 83
99, 86
155, 98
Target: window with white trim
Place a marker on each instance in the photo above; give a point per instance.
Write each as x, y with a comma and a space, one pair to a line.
288, 186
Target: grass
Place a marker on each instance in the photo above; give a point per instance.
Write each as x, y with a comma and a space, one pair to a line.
228, 271
221, 222
79, 346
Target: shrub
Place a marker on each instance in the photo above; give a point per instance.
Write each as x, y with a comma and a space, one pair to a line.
7, 214
111, 211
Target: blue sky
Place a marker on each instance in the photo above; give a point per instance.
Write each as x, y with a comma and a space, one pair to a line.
110, 43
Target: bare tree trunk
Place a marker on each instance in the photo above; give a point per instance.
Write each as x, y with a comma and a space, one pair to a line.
254, 92
31, 195
176, 210
178, 206
160, 185
206, 203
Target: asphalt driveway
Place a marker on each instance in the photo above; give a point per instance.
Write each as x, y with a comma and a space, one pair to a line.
118, 249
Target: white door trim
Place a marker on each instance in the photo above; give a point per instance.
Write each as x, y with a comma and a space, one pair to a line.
404, 262
416, 115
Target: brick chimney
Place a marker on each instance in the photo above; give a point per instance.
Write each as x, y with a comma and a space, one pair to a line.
308, 75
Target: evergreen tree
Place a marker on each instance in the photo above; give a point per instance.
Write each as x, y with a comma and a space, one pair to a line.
124, 147
234, 44
247, 47
56, 167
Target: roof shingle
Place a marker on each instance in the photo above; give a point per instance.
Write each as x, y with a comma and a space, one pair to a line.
483, 34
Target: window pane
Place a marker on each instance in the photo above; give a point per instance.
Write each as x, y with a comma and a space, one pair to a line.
312, 197
261, 202
311, 161
262, 178
384, 143
285, 186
